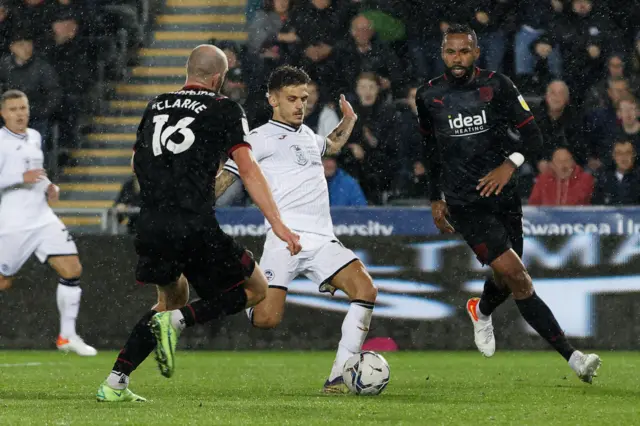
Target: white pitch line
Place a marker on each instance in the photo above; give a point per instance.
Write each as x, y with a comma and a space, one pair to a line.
29, 364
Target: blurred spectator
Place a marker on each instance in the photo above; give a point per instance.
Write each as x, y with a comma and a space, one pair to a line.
317, 25
363, 52
406, 136
535, 18
33, 16
585, 35
123, 15
619, 185
343, 189
67, 52
427, 22
271, 39
264, 33
596, 97
488, 21
559, 124
253, 7
234, 85
417, 186
319, 117
129, 197
36, 78
601, 123
629, 127
5, 28
564, 184
369, 156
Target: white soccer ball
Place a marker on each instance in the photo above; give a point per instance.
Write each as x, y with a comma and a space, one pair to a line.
366, 373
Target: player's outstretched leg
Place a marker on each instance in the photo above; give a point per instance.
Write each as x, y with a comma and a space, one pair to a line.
480, 310
513, 273
139, 345
358, 285
167, 326
68, 295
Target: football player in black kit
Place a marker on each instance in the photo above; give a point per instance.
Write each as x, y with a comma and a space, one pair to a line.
181, 140
466, 116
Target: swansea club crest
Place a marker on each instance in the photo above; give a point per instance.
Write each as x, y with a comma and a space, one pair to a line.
299, 155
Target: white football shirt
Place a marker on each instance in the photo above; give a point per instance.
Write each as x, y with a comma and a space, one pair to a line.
291, 160
22, 206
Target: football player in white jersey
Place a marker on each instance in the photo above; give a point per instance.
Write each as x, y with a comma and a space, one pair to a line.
290, 156
27, 223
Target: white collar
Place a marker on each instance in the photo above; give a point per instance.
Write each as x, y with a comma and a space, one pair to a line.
285, 126
22, 136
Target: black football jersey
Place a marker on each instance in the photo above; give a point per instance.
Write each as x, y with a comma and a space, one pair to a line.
473, 127
180, 142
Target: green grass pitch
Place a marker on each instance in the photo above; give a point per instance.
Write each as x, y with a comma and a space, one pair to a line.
259, 388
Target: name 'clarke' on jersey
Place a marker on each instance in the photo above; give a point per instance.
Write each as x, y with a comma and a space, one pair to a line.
470, 123
178, 148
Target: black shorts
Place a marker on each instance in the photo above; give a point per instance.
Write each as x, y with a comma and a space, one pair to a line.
489, 231
169, 245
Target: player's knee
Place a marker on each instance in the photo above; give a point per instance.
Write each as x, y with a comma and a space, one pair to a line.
5, 283
366, 290
71, 269
267, 320
361, 287
519, 282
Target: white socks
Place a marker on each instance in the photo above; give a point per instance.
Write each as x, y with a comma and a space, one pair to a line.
575, 360
117, 380
354, 330
177, 320
481, 316
68, 298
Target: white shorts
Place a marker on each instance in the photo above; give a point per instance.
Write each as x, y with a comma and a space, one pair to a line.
321, 258
49, 240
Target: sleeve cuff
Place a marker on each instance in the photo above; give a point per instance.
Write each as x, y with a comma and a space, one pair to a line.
240, 145
232, 170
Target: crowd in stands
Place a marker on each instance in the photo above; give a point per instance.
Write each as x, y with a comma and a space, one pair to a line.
61, 53
576, 61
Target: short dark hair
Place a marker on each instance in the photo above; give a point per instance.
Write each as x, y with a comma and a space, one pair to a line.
461, 29
287, 75
11, 94
368, 75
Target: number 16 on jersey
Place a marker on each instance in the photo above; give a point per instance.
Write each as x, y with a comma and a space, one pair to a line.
161, 137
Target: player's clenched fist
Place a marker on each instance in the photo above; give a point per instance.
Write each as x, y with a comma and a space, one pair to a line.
288, 236
439, 211
33, 176
53, 193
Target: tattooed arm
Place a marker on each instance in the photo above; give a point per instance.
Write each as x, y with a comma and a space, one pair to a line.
340, 135
223, 182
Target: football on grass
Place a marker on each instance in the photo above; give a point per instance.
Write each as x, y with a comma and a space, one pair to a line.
366, 373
